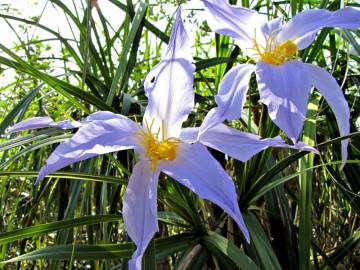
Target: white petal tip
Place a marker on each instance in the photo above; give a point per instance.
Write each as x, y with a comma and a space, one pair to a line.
305, 147
247, 237
39, 178
8, 130
37, 181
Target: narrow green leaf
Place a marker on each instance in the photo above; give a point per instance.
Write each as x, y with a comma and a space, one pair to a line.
55, 226
34, 136
172, 218
172, 244
293, 4
206, 63
120, 71
261, 243
166, 247
194, 258
292, 176
85, 37
215, 241
32, 147
156, 31
20, 106
57, 35
66, 175
266, 177
346, 248
149, 259
306, 182
69, 91
352, 40
81, 252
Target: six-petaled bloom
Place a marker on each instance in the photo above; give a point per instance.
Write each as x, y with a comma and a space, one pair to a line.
284, 81
169, 87
162, 145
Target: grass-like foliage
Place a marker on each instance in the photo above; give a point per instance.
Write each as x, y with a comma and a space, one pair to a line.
301, 209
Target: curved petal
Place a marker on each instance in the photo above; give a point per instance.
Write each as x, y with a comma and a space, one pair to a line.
42, 122
305, 40
232, 91
102, 115
189, 135
334, 96
169, 86
140, 209
308, 22
67, 124
96, 138
271, 27
212, 118
266, 32
285, 90
196, 169
242, 145
231, 97
305, 147
234, 21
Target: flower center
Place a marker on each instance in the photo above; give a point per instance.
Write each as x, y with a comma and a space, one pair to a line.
275, 55
155, 149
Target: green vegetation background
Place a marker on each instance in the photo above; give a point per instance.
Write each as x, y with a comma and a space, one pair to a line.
302, 211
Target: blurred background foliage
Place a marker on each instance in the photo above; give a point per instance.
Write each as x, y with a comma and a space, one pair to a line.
302, 211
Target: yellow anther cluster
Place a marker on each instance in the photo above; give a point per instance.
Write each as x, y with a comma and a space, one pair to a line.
284, 52
157, 150
167, 150
276, 55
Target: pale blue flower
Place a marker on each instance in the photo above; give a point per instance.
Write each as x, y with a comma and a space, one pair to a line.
162, 145
45, 121
284, 81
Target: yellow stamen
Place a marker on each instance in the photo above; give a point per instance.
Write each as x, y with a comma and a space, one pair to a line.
275, 55
155, 149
